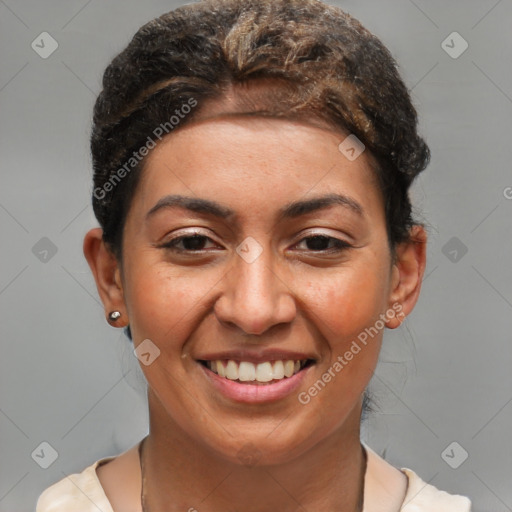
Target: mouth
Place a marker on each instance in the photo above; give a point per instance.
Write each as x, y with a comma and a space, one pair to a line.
259, 374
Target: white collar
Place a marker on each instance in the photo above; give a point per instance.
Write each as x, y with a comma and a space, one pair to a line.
385, 486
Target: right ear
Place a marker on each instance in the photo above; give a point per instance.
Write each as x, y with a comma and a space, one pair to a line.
107, 274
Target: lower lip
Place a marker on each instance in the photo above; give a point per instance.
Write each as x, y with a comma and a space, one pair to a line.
255, 393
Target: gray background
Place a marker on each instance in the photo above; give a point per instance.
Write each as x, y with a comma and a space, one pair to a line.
70, 380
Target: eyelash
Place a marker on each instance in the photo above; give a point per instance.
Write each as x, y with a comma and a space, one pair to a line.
340, 245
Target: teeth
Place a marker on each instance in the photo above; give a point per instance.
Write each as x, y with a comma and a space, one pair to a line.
220, 368
278, 370
245, 371
232, 370
289, 367
264, 372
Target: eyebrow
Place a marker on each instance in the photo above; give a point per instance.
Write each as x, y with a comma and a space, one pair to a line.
289, 211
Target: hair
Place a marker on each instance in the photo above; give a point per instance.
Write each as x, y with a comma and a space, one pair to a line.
315, 62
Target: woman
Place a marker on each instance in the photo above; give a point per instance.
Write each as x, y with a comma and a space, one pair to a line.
252, 162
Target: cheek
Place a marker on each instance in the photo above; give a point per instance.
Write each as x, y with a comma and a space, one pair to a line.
160, 302
164, 303
346, 304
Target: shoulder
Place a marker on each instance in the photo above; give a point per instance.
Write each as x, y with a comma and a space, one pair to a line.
388, 489
78, 492
423, 497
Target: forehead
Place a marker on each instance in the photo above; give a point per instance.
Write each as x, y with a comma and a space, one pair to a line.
255, 163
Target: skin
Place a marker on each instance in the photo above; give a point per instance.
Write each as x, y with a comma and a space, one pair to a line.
294, 296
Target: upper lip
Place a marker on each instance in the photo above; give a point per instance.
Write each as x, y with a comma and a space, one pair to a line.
256, 356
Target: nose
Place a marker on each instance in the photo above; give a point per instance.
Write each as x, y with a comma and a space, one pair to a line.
255, 298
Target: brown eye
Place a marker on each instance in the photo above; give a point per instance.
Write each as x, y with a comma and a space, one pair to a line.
320, 243
190, 243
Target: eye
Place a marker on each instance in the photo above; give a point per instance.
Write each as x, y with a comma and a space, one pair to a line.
195, 242
191, 243
319, 243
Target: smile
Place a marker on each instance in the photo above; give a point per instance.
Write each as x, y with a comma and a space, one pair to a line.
267, 372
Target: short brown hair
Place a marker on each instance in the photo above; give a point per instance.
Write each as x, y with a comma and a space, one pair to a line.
319, 62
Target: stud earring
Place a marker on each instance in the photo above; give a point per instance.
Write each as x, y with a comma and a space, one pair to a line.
114, 315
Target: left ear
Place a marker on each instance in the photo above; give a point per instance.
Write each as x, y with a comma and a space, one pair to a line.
407, 275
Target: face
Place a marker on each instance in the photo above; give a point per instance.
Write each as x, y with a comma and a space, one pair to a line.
249, 267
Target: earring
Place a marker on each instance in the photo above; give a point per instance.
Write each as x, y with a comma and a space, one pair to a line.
114, 315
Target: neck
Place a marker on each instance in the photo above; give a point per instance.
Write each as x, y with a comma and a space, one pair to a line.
178, 470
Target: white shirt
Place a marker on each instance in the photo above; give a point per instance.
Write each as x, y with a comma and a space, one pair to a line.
82, 492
